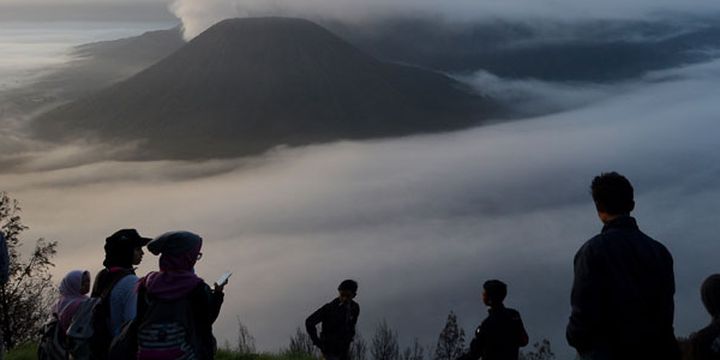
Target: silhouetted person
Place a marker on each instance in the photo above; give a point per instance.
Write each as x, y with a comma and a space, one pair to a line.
622, 296
705, 344
502, 333
176, 308
4, 276
123, 251
338, 319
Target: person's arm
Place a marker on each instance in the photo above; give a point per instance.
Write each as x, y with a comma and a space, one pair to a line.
583, 301
311, 324
477, 345
215, 301
129, 310
523, 338
4, 261
355, 316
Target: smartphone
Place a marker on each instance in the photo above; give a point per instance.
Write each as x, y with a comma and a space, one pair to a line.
223, 280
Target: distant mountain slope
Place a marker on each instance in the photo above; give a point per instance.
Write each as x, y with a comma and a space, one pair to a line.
596, 51
247, 85
101, 64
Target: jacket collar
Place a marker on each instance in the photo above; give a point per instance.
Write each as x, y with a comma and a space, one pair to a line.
621, 222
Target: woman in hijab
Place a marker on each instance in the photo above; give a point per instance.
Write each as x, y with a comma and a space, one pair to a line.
177, 302
73, 291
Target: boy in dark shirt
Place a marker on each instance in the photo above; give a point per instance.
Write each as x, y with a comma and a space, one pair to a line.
705, 344
338, 319
501, 334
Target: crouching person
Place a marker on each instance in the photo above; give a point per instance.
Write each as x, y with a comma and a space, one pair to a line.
176, 308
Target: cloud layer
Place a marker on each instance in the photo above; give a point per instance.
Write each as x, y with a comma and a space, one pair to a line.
199, 15
419, 221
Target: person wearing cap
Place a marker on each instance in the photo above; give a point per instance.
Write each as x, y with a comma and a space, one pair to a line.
176, 283
705, 344
502, 333
338, 319
123, 251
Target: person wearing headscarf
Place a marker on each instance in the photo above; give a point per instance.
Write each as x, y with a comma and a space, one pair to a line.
705, 344
74, 289
177, 282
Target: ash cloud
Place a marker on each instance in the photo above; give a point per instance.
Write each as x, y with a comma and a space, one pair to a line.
419, 221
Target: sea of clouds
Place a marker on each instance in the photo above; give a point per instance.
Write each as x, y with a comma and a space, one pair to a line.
419, 221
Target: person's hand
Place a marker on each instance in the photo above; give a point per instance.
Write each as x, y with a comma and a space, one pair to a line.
219, 288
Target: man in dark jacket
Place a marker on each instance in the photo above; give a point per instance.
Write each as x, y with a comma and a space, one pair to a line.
622, 296
338, 319
502, 333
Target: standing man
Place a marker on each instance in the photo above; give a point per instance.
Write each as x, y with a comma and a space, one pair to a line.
4, 277
502, 333
338, 319
622, 296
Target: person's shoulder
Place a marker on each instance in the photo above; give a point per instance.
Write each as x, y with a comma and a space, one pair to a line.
127, 283
512, 313
591, 245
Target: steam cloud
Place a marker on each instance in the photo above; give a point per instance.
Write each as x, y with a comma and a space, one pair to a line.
197, 15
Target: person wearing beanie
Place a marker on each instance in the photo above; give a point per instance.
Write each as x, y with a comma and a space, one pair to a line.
502, 333
705, 344
176, 301
123, 251
338, 318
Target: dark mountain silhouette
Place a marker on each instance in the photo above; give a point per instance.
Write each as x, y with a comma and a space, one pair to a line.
247, 85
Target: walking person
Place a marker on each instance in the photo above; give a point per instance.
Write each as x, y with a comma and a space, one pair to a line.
176, 308
502, 333
622, 295
338, 318
705, 344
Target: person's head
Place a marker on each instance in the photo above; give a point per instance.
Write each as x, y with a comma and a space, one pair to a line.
124, 249
494, 292
178, 250
75, 283
347, 290
710, 292
613, 196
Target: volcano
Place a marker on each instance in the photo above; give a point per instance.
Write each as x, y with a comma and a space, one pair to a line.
245, 86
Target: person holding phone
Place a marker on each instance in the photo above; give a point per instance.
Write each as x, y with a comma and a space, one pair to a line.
338, 318
176, 308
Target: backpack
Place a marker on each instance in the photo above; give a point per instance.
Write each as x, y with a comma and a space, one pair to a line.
167, 330
51, 347
89, 334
